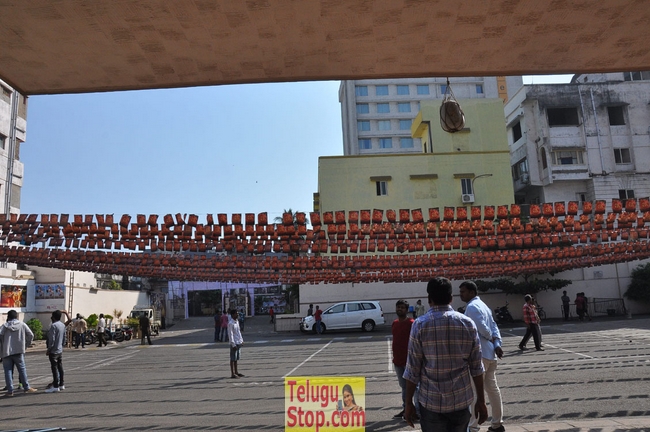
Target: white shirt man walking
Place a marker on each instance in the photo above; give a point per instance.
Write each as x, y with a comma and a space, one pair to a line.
236, 342
490, 338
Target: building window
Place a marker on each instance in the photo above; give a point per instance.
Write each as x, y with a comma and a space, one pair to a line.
405, 124
625, 193
384, 125
423, 89
382, 188
383, 108
6, 91
466, 186
363, 109
519, 169
443, 89
567, 157
381, 90
363, 125
385, 143
542, 153
3, 140
582, 196
622, 156
479, 88
516, 132
636, 76
403, 90
404, 107
406, 142
365, 144
361, 90
562, 116
616, 116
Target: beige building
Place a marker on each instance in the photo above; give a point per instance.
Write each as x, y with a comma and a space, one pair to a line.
467, 168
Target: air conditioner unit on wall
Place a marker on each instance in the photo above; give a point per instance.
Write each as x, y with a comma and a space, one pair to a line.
467, 198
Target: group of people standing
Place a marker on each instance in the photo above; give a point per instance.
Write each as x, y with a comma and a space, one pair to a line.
446, 361
581, 304
16, 336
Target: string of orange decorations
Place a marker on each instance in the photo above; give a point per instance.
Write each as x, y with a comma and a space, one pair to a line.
355, 246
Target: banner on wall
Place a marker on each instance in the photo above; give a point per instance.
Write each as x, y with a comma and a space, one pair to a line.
13, 296
324, 404
50, 297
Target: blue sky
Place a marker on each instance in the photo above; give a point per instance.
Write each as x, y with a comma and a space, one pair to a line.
227, 149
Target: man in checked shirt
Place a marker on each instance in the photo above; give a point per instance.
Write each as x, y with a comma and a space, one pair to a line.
444, 357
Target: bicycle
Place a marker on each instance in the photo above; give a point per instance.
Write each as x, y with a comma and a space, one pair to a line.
540, 311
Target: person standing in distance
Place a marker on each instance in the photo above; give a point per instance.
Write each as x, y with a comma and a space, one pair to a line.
318, 318
145, 328
566, 305
444, 357
236, 342
310, 311
272, 313
54, 352
532, 321
419, 309
223, 333
490, 338
401, 331
101, 329
81, 327
15, 337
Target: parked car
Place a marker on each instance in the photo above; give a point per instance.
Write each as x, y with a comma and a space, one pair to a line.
362, 314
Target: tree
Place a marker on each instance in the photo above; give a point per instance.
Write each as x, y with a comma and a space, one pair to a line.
524, 287
279, 220
639, 288
114, 285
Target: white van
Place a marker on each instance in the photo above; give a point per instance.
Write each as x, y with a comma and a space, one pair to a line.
362, 314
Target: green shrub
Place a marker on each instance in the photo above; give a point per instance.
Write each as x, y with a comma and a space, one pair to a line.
92, 321
133, 322
639, 288
36, 327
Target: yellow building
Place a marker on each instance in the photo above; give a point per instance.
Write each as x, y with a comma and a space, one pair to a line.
471, 167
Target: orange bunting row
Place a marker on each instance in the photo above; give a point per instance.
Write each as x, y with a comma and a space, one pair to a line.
491, 240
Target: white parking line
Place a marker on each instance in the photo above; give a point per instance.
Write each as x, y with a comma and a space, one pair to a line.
389, 342
287, 340
260, 342
308, 358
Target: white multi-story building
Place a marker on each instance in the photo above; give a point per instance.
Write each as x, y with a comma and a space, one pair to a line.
9, 153
377, 114
582, 141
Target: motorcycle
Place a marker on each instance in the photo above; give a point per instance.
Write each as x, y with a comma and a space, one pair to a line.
502, 315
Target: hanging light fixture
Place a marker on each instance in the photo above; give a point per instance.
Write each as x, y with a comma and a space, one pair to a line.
452, 118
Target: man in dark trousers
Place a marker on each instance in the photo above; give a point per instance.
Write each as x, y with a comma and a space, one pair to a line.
401, 331
444, 356
272, 313
145, 328
55, 337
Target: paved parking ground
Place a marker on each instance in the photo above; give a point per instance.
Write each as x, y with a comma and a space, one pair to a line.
593, 376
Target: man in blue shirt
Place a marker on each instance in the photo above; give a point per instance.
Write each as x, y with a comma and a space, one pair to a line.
444, 357
491, 350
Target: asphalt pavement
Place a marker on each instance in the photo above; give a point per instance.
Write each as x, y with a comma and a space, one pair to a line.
591, 378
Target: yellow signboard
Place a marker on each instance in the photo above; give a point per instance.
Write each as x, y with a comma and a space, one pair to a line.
324, 404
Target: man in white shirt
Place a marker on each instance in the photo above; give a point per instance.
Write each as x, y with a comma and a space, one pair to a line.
490, 338
101, 329
236, 342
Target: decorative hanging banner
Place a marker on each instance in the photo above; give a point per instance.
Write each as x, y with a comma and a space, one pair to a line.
324, 404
